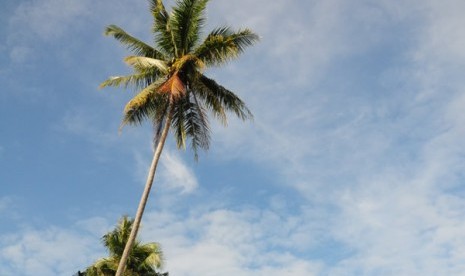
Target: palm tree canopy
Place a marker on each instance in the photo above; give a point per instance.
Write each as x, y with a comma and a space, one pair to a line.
173, 71
144, 259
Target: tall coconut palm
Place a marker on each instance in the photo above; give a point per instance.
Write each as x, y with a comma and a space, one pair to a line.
144, 259
174, 93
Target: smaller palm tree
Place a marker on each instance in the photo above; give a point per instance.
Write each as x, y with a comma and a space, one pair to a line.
145, 259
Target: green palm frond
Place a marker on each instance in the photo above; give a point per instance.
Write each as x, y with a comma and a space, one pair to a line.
198, 127
178, 121
215, 94
104, 266
139, 80
162, 28
223, 45
133, 44
190, 122
188, 18
143, 260
151, 256
116, 239
158, 120
147, 102
209, 99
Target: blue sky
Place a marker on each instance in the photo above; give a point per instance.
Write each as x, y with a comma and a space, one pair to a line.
353, 165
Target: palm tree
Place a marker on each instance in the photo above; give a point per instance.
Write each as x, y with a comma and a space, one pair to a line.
143, 260
174, 93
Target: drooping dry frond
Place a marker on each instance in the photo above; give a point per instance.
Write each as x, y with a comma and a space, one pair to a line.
173, 86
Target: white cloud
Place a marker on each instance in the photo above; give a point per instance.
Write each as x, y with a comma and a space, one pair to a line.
394, 172
52, 251
399, 227
443, 34
176, 174
408, 219
205, 242
56, 22
226, 242
172, 172
95, 225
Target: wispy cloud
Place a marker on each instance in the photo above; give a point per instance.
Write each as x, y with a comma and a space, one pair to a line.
392, 174
172, 173
227, 242
51, 251
176, 174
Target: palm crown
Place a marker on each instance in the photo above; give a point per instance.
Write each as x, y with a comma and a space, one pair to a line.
170, 75
145, 259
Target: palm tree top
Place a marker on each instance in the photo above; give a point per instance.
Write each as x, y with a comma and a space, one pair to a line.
145, 259
172, 71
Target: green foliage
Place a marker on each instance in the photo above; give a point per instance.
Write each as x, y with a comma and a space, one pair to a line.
172, 70
133, 44
144, 259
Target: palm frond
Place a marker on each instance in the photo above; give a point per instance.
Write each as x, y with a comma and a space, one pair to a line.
198, 127
133, 44
104, 266
216, 95
162, 28
143, 260
158, 120
188, 59
147, 102
115, 240
139, 80
190, 122
153, 255
209, 99
177, 123
188, 18
223, 45
146, 63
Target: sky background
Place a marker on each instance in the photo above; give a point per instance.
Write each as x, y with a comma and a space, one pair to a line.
354, 164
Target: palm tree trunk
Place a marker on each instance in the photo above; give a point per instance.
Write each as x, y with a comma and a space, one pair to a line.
145, 194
